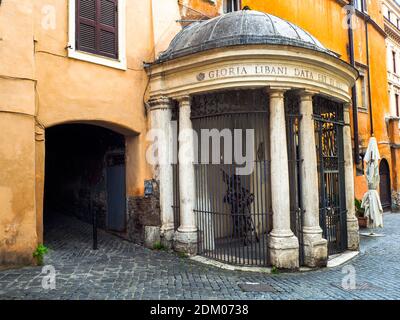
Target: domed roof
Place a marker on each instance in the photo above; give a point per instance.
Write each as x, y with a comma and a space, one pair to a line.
239, 28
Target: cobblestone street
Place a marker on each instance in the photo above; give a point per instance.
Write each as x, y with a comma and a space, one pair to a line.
122, 270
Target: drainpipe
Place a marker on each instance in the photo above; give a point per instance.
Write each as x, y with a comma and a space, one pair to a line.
354, 89
371, 119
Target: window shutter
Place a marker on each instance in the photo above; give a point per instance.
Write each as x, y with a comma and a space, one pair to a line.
86, 25
97, 27
108, 26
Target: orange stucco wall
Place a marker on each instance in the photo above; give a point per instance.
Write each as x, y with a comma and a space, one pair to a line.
40, 87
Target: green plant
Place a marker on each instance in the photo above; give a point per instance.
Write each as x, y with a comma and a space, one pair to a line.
359, 210
39, 253
159, 246
274, 270
182, 255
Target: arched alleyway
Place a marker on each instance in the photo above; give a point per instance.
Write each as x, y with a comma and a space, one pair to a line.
85, 177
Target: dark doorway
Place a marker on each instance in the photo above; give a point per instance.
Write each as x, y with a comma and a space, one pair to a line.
85, 175
116, 191
384, 184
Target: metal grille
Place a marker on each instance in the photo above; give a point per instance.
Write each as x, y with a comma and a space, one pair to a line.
233, 211
329, 124
175, 174
296, 212
176, 199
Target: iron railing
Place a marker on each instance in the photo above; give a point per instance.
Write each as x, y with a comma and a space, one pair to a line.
293, 118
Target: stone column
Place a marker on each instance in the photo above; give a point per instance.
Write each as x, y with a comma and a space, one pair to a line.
160, 115
353, 238
186, 235
315, 247
283, 244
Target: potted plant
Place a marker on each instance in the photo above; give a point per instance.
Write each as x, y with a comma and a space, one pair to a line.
360, 212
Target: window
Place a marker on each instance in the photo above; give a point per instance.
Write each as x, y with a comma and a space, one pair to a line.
360, 5
394, 62
232, 5
97, 31
362, 92
396, 97
385, 11
96, 27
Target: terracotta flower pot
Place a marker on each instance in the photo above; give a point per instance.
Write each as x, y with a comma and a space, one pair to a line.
362, 222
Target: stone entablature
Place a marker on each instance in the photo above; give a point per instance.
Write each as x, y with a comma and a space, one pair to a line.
250, 67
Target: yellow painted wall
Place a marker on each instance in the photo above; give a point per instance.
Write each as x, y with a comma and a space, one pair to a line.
324, 19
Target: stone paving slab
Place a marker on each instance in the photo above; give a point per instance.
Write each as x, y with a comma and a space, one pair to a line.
122, 270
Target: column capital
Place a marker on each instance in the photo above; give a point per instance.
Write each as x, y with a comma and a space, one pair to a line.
347, 106
162, 102
183, 99
306, 94
277, 92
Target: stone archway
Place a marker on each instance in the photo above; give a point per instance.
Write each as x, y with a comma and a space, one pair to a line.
85, 176
384, 184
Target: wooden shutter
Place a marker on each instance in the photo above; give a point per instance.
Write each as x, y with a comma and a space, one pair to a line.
97, 27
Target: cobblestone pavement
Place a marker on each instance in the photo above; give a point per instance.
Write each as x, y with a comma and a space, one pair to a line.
122, 270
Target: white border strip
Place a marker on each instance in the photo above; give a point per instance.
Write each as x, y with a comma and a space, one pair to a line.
337, 260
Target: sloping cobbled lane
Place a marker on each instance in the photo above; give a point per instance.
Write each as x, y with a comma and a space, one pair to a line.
122, 270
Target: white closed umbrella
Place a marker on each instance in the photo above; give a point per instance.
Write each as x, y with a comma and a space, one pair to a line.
371, 201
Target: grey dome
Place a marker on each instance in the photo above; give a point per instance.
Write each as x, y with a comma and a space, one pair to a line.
239, 28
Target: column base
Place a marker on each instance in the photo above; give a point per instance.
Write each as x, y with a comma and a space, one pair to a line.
284, 251
315, 248
167, 237
353, 236
186, 242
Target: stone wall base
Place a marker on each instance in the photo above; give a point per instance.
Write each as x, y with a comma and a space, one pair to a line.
151, 236
395, 201
353, 237
16, 258
143, 212
167, 238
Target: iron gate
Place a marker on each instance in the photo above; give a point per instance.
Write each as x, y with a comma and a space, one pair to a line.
329, 124
233, 211
175, 174
296, 212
